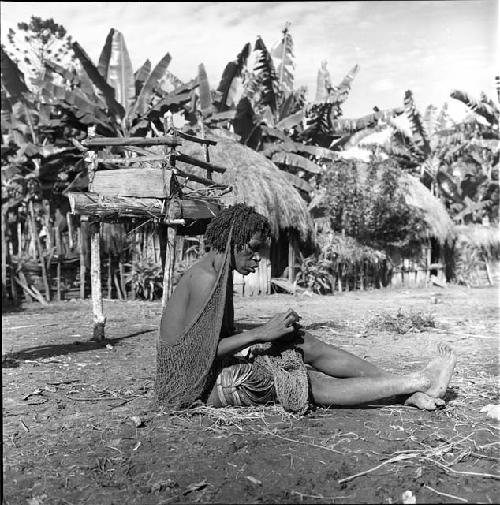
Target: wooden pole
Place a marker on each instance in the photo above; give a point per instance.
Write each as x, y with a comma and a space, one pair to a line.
82, 261
71, 244
4, 253
59, 251
40, 251
96, 288
291, 257
168, 273
110, 274
19, 239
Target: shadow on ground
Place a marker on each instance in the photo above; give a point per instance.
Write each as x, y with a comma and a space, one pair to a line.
11, 360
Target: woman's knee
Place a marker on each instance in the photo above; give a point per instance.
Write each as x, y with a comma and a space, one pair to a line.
312, 347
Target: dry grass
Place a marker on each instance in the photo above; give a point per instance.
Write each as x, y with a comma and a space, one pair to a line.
404, 321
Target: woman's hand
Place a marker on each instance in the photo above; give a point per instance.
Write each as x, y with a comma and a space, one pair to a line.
280, 326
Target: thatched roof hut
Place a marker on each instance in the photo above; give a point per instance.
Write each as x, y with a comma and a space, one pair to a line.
438, 223
256, 181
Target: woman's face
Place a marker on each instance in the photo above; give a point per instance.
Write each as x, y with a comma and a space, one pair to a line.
247, 260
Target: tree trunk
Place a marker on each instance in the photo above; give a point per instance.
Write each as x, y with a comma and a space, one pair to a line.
95, 272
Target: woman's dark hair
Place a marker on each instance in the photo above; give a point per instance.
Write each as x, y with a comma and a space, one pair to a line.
246, 222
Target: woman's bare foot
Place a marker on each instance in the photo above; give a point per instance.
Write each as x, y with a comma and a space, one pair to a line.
439, 371
424, 402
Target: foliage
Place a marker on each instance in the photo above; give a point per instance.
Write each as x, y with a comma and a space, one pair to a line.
145, 278
314, 274
402, 322
467, 265
372, 208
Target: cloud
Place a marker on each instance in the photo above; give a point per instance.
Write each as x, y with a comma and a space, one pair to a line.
399, 45
384, 85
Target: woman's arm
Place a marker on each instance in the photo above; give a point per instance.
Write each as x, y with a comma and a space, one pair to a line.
278, 327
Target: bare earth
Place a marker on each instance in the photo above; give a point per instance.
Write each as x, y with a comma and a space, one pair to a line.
69, 438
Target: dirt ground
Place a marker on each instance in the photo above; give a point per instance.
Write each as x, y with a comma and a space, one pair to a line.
71, 409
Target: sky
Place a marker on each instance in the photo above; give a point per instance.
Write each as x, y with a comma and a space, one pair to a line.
429, 47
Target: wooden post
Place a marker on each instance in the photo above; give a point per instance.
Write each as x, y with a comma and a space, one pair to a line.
40, 251
122, 278
168, 274
96, 288
46, 208
19, 239
71, 244
59, 251
4, 253
82, 261
110, 274
291, 257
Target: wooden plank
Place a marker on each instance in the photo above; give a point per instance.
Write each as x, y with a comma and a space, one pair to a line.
166, 140
199, 163
138, 182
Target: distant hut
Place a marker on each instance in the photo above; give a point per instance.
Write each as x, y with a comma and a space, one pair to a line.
258, 182
479, 246
412, 265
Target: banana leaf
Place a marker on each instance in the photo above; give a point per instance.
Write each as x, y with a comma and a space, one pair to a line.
141, 75
291, 121
150, 85
205, 103
99, 81
295, 161
353, 139
419, 134
12, 77
349, 126
105, 56
283, 52
119, 72
291, 103
483, 108
232, 71
244, 123
319, 124
340, 93
267, 78
323, 84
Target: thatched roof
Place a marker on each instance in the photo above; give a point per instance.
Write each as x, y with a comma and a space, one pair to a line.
256, 181
479, 236
417, 196
439, 223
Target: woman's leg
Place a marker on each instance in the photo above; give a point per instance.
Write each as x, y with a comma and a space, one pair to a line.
327, 391
336, 362
349, 380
